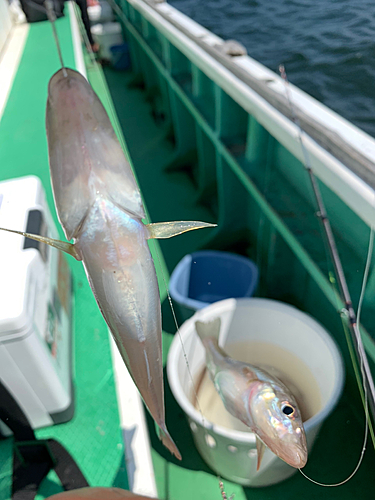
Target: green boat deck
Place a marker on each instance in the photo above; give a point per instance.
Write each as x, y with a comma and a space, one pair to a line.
190, 146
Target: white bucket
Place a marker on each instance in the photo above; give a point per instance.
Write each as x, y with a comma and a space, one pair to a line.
232, 453
106, 35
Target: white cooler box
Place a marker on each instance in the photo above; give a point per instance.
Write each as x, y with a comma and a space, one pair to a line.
35, 308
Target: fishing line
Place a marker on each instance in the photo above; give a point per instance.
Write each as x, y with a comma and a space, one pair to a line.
179, 335
48, 8
52, 18
221, 485
353, 318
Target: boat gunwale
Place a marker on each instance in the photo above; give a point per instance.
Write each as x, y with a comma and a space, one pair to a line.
356, 192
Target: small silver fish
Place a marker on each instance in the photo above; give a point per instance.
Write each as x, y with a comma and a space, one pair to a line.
258, 399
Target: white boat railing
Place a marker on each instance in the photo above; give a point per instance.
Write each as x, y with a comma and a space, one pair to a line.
5, 23
341, 155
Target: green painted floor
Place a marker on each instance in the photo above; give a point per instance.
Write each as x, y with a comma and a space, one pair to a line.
93, 437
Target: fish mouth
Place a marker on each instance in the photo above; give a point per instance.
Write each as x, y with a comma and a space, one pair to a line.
295, 456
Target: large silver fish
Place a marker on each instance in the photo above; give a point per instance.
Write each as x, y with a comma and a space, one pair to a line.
99, 206
258, 399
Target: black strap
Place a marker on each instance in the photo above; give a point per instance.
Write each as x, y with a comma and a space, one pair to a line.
12, 415
31, 464
33, 458
66, 468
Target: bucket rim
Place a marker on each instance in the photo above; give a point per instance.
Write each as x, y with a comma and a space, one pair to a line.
185, 263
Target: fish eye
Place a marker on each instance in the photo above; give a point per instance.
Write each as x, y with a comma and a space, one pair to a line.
287, 409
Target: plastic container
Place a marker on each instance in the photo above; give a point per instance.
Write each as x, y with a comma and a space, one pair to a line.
107, 35
232, 453
100, 13
204, 277
120, 56
36, 308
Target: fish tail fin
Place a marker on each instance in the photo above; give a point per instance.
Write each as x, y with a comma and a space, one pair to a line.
208, 330
167, 441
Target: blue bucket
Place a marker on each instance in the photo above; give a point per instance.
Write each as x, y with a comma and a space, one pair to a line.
120, 56
204, 277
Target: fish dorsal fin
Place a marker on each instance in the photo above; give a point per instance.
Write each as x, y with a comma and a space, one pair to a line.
260, 451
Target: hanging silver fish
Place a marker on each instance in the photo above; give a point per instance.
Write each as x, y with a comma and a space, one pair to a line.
258, 399
100, 207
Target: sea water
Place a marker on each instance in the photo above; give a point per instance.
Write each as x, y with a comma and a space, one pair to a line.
275, 360
327, 46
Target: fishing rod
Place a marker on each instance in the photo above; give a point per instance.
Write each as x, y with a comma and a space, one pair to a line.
353, 319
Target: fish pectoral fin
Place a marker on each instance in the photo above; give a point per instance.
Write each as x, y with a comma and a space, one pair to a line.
63, 246
161, 230
260, 451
